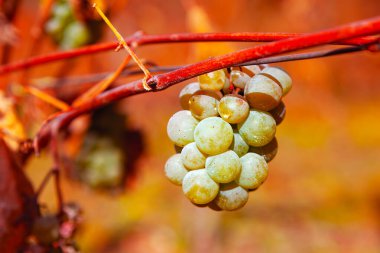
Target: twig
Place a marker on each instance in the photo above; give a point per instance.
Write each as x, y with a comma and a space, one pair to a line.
163, 81
138, 40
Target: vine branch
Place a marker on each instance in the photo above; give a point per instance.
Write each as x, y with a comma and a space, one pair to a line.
163, 81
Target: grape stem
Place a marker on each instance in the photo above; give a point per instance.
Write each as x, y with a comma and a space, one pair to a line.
163, 81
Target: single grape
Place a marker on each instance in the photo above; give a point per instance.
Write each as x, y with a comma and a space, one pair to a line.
213, 135
239, 78
223, 168
279, 113
280, 76
181, 128
258, 129
233, 109
76, 34
203, 106
268, 151
192, 158
186, 94
262, 93
253, 172
212, 81
231, 197
238, 145
174, 169
198, 186
251, 70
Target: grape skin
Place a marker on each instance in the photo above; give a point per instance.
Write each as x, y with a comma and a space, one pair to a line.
233, 109
212, 81
238, 145
198, 186
192, 158
280, 76
262, 93
258, 129
203, 106
223, 168
186, 93
231, 197
174, 169
239, 78
181, 127
253, 172
213, 135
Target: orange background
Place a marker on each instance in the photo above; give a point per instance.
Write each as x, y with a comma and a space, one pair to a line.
322, 194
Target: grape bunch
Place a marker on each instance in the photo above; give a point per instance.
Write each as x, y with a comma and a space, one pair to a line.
225, 134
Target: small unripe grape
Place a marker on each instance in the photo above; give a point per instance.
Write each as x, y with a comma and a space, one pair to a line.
192, 158
181, 128
258, 129
186, 93
251, 70
254, 171
280, 76
76, 34
213, 135
198, 186
231, 197
174, 169
238, 145
212, 81
268, 151
279, 113
203, 106
239, 78
233, 109
262, 93
223, 168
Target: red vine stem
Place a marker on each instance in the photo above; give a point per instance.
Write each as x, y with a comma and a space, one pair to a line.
163, 81
139, 39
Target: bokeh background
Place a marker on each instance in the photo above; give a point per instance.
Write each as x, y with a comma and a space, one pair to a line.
322, 193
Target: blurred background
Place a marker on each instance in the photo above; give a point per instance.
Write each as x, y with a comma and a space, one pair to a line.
322, 193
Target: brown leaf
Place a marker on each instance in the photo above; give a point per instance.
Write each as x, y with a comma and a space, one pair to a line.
17, 205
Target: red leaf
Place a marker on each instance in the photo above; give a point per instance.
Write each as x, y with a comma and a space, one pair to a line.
17, 205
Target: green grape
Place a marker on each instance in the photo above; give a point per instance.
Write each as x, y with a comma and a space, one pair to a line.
231, 197
262, 93
181, 128
186, 93
233, 109
174, 169
192, 158
254, 171
213, 135
268, 151
280, 76
198, 186
76, 34
238, 145
223, 168
239, 78
251, 70
279, 113
212, 81
258, 129
203, 106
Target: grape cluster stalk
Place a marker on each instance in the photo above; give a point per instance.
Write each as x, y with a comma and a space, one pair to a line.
225, 134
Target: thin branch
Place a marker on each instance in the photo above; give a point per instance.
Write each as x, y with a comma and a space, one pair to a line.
163, 81
140, 39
